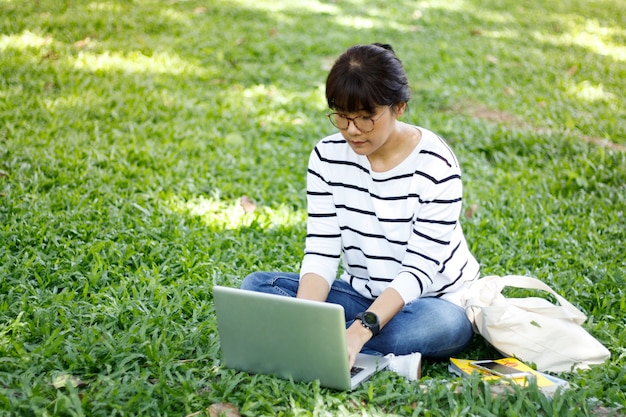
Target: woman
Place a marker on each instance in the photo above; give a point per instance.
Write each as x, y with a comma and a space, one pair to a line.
385, 198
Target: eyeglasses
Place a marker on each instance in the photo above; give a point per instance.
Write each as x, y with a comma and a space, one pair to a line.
363, 123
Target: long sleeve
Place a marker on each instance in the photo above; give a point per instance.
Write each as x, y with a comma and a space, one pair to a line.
323, 240
397, 228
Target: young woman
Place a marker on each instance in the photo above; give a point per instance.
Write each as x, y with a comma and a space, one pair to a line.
384, 197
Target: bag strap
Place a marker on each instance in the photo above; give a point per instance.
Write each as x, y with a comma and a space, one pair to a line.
523, 282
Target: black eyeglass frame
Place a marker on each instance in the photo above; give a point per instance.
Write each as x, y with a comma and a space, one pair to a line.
331, 118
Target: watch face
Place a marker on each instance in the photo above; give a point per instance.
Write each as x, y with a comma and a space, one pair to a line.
370, 318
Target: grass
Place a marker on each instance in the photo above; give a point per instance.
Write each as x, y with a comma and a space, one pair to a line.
131, 129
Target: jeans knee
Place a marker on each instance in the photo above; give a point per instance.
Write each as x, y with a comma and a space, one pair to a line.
253, 281
272, 283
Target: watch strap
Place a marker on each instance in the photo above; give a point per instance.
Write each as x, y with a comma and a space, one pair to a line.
370, 321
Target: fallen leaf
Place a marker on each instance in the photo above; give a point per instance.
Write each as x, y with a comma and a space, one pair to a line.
509, 91
223, 410
199, 10
492, 59
248, 204
51, 55
83, 43
572, 70
471, 211
65, 380
476, 32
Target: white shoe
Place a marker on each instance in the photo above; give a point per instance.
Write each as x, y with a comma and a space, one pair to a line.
409, 366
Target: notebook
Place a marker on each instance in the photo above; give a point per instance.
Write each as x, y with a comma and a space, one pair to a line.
288, 337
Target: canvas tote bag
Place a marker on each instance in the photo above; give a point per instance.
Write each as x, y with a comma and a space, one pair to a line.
532, 328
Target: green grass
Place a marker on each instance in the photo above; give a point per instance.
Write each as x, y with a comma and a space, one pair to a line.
130, 130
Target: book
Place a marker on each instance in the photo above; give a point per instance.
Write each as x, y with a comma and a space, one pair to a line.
546, 383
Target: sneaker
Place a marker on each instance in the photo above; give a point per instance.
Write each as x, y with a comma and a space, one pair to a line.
409, 366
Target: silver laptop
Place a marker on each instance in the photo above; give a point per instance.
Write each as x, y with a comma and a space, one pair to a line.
289, 338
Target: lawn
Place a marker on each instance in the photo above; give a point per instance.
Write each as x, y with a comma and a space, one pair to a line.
130, 130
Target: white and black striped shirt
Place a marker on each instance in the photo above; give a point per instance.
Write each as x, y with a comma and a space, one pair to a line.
397, 228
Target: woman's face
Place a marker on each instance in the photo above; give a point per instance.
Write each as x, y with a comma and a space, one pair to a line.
381, 136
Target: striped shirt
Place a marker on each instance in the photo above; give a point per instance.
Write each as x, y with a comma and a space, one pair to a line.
397, 228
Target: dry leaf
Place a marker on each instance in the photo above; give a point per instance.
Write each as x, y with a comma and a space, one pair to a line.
83, 43
492, 59
248, 204
471, 211
223, 410
508, 91
51, 55
572, 70
65, 380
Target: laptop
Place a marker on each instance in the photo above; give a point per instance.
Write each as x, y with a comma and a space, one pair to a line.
288, 337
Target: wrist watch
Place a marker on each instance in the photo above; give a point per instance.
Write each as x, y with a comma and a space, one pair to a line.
370, 321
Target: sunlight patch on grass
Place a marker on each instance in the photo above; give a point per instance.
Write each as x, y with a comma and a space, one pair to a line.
261, 91
597, 39
591, 36
268, 105
158, 63
358, 22
175, 16
453, 5
230, 215
501, 34
23, 41
587, 91
299, 5
104, 6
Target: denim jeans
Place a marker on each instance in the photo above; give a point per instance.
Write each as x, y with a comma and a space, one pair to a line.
436, 328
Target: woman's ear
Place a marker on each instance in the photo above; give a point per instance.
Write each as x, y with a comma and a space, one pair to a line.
400, 108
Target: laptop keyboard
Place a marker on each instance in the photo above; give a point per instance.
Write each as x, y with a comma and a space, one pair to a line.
355, 370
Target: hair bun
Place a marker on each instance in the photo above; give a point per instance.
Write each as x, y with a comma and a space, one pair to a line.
385, 46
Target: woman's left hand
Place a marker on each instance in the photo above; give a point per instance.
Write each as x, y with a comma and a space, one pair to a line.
387, 305
357, 337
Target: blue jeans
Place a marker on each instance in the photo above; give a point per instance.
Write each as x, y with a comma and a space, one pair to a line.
436, 328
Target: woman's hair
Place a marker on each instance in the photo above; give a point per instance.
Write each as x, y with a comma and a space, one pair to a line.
365, 77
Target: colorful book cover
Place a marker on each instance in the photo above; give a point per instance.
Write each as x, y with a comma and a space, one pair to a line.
463, 368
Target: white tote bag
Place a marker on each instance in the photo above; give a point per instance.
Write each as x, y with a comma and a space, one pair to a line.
532, 329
